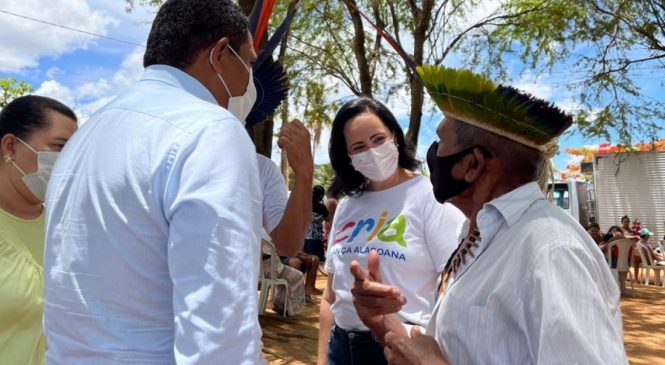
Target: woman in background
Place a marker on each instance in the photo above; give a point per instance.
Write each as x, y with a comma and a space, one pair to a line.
33, 129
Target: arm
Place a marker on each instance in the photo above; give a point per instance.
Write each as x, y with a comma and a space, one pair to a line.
289, 235
325, 321
213, 212
331, 205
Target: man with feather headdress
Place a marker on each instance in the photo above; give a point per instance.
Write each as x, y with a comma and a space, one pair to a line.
527, 285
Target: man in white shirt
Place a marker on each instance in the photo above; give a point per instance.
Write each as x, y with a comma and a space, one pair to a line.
527, 285
287, 217
154, 208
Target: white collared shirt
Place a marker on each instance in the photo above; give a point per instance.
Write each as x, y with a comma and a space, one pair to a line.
537, 292
151, 245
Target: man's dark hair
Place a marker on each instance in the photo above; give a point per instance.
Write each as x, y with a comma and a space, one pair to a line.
593, 225
184, 28
347, 180
27, 114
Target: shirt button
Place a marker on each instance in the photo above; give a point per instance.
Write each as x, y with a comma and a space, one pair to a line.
352, 335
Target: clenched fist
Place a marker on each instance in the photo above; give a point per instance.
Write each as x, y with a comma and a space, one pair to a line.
295, 140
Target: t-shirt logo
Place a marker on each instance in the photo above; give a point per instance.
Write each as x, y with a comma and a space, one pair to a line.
386, 231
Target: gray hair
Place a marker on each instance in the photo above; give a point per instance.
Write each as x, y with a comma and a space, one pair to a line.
519, 161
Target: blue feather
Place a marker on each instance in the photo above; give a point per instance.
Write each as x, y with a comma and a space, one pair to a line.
254, 16
271, 89
269, 75
270, 46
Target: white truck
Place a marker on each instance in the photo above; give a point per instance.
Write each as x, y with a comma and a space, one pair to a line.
631, 184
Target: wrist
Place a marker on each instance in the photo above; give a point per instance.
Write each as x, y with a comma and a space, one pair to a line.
304, 175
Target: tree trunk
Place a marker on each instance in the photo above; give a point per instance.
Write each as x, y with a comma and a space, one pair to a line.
261, 135
359, 49
422, 18
417, 90
417, 100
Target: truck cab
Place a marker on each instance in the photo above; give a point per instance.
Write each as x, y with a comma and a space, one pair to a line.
576, 198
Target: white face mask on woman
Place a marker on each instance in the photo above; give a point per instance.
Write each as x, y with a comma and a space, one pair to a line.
240, 106
38, 180
377, 163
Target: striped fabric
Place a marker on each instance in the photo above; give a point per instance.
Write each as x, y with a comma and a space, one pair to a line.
536, 291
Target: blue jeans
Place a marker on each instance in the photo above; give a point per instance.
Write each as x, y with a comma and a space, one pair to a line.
315, 247
354, 348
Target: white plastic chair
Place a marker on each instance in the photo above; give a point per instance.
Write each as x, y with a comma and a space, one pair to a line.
623, 262
647, 264
268, 280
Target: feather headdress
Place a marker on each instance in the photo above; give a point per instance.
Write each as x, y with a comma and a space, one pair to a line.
269, 75
503, 110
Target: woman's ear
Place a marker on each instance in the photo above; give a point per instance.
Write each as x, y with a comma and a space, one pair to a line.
8, 145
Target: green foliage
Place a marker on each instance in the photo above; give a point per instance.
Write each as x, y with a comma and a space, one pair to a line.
12, 89
318, 111
600, 49
324, 175
607, 47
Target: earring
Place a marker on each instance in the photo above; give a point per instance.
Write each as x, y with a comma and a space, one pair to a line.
8, 159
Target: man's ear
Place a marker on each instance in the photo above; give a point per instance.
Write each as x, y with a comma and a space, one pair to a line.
476, 165
216, 53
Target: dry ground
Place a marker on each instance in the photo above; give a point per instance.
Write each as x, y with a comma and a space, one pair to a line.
293, 340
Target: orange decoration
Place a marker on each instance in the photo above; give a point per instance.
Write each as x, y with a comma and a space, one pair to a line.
587, 153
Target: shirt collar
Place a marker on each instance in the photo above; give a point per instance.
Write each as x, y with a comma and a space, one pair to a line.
512, 205
508, 208
180, 79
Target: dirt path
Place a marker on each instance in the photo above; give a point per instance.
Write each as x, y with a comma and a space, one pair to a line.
294, 340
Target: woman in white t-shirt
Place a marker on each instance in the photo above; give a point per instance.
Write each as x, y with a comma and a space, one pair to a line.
388, 209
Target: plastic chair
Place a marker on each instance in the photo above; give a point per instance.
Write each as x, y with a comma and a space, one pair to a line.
648, 265
623, 261
268, 280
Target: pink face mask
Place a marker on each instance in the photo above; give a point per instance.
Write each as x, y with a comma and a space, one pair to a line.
377, 163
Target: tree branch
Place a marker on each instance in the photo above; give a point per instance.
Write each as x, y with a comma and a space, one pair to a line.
628, 63
487, 21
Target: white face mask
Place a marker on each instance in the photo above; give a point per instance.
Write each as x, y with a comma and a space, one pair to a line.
378, 163
240, 106
38, 180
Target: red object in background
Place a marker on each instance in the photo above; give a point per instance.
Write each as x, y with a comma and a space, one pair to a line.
262, 25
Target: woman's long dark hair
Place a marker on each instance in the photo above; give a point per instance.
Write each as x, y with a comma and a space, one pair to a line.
347, 179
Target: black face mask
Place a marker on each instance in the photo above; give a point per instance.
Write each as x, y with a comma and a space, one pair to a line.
441, 172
